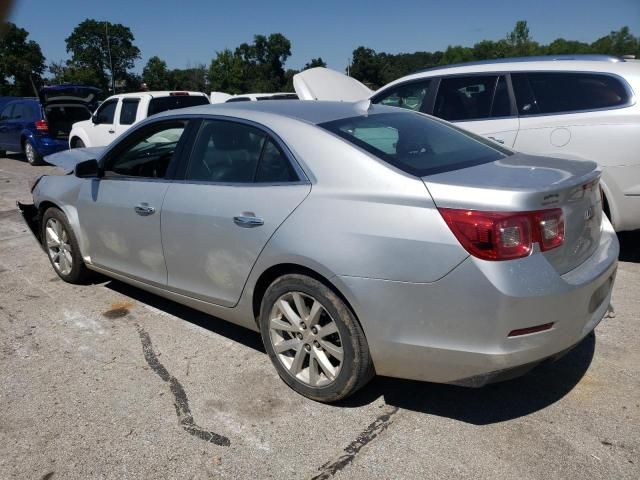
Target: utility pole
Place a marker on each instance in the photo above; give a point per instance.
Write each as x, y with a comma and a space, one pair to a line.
106, 34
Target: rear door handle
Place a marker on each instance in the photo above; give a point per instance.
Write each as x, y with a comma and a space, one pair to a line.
248, 221
499, 140
144, 209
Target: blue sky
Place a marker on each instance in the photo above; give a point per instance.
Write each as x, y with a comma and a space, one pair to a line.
189, 32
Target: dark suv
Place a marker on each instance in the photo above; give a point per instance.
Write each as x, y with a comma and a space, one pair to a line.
41, 126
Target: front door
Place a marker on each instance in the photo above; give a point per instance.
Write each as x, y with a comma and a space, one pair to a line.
238, 188
120, 212
103, 130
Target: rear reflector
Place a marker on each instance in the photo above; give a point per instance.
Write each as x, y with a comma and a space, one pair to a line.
42, 126
179, 94
528, 330
505, 235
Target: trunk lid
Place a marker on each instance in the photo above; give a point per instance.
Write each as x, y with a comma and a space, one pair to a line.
69, 94
325, 84
521, 183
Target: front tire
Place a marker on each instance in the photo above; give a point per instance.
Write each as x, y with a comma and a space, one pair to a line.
77, 143
62, 248
313, 339
32, 155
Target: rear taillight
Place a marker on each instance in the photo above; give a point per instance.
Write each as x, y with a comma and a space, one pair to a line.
178, 94
505, 236
42, 126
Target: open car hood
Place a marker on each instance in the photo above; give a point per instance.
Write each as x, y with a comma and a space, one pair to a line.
69, 94
324, 84
68, 159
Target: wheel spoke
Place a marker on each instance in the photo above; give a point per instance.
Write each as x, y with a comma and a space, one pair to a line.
52, 236
328, 329
63, 263
288, 312
334, 350
303, 313
314, 314
324, 363
313, 369
298, 360
286, 345
279, 324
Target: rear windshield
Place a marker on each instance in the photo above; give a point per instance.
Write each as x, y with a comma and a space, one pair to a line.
161, 104
416, 143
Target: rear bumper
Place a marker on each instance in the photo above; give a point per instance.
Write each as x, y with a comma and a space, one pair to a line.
46, 145
456, 330
31, 217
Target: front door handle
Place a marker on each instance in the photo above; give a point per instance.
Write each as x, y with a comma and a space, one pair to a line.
112, 131
248, 221
144, 209
499, 140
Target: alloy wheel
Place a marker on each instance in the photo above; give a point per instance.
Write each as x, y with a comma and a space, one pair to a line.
58, 246
305, 339
30, 153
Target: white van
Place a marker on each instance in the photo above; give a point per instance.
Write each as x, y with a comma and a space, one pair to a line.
581, 107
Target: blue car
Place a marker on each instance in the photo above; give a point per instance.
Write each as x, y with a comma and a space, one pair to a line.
40, 126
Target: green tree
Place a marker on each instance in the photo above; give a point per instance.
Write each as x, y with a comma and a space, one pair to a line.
155, 74
520, 41
561, 46
366, 66
21, 62
190, 78
227, 73
315, 62
66, 72
97, 46
619, 42
263, 62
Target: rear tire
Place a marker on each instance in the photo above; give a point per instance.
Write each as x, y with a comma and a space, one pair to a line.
313, 339
62, 248
31, 154
3, 153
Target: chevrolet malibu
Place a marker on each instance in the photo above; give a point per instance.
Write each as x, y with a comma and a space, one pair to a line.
358, 239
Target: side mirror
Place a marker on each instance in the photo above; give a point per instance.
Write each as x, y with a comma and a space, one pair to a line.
87, 169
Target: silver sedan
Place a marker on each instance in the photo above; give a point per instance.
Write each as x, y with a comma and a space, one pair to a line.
357, 239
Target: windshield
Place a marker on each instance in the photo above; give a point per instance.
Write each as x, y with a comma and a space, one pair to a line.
161, 104
415, 143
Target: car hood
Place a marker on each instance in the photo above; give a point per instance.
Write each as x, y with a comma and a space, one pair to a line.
68, 159
325, 84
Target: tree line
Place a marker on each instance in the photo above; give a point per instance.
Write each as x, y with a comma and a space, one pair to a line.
103, 54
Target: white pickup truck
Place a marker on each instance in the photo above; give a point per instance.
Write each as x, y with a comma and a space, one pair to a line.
119, 112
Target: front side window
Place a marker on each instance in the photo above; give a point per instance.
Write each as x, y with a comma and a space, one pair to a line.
410, 96
472, 98
565, 92
106, 112
415, 143
149, 152
129, 111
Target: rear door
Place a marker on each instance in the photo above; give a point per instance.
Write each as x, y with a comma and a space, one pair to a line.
120, 212
479, 103
238, 187
128, 115
5, 126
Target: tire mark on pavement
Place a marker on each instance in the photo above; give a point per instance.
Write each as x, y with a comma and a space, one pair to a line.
181, 402
378, 426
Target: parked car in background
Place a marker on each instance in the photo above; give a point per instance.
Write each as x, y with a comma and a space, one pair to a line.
221, 97
357, 238
41, 126
118, 113
582, 107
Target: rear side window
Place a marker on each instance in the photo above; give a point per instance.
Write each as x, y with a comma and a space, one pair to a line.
564, 92
415, 143
7, 112
411, 96
173, 102
472, 98
128, 111
274, 166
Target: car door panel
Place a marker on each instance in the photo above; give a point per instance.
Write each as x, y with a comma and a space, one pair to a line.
119, 237
209, 256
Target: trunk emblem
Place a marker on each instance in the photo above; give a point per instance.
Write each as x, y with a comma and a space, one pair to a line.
588, 214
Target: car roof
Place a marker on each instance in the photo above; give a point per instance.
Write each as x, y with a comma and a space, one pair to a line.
314, 112
158, 93
572, 63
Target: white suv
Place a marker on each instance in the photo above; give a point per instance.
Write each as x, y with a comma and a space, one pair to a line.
579, 107
119, 112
